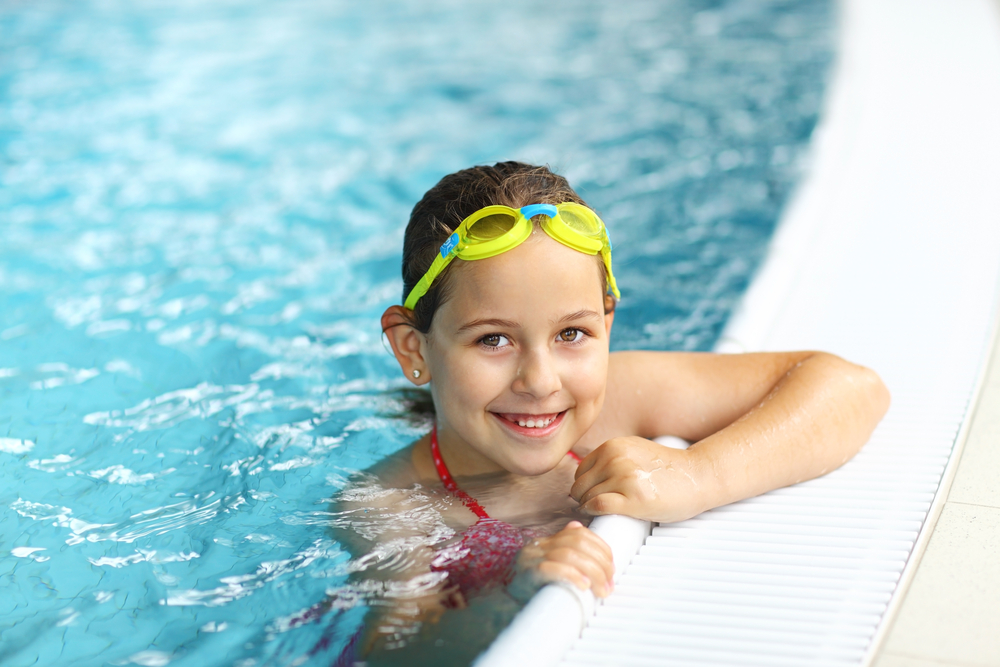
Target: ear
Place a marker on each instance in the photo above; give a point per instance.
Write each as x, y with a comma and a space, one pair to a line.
407, 343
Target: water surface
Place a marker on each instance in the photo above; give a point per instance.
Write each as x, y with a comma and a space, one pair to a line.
202, 206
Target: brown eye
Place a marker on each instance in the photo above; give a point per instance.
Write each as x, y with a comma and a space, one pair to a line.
570, 335
494, 340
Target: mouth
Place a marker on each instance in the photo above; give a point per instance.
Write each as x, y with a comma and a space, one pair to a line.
532, 425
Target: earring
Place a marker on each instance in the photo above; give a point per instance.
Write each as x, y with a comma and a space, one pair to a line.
416, 373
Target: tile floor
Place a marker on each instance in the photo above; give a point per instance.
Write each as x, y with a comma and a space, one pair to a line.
950, 614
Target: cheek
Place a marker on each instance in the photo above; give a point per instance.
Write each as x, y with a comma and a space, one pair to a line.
467, 378
589, 378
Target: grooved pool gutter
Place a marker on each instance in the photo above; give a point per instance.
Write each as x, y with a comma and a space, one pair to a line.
889, 256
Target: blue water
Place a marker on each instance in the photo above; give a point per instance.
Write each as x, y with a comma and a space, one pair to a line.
202, 207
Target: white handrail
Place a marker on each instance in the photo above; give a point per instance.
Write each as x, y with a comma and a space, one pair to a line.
543, 632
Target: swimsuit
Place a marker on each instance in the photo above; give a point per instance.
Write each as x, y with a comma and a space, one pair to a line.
485, 555
484, 558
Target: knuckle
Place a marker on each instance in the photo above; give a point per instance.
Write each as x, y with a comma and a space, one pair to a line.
615, 446
643, 493
598, 504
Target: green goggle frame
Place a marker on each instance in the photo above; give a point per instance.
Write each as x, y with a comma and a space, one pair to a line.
494, 230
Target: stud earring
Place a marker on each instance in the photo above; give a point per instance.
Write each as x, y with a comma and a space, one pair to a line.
416, 373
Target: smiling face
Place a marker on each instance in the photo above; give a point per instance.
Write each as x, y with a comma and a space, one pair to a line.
518, 356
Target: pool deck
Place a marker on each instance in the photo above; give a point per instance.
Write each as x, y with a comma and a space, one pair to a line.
950, 612
890, 256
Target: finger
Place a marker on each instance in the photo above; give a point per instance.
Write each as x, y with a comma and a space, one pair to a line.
556, 571
606, 503
610, 485
599, 550
593, 569
602, 456
596, 475
576, 535
587, 462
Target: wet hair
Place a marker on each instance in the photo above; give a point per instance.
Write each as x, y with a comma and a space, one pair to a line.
456, 197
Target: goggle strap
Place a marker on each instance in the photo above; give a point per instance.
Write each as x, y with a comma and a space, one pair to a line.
612, 284
424, 284
449, 245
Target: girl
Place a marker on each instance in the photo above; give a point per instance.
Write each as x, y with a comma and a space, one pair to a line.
509, 299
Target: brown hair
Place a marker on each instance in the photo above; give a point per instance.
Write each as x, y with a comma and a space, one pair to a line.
456, 197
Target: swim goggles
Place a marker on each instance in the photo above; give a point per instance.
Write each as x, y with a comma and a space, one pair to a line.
494, 230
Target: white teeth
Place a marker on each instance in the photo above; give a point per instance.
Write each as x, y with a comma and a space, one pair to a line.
531, 423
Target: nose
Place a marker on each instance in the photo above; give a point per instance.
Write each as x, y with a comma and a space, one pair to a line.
537, 375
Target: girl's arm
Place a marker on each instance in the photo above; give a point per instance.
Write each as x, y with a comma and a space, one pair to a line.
759, 422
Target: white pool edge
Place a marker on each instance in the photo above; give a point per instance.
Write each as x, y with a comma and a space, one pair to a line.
992, 347
546, 628
801, 224
554, 618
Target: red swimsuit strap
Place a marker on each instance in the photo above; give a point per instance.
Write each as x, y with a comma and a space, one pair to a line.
449, 482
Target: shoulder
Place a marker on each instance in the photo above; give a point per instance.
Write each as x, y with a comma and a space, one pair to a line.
397, 469
366, 510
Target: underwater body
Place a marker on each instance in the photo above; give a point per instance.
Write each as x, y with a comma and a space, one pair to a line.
202, 209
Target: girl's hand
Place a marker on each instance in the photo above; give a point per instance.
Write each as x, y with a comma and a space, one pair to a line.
642, 479
574, 554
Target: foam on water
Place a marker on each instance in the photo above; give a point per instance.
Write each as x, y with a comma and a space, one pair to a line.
202, 207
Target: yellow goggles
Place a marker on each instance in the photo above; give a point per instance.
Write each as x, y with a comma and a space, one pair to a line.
494, 230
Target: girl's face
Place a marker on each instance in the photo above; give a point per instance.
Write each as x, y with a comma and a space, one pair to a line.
518, 358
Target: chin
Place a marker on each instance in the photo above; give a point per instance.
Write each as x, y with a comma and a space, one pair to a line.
534, 468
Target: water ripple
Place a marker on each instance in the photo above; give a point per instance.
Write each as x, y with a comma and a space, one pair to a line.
203, 206
173, 407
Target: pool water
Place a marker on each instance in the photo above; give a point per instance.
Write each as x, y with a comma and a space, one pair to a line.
202, 206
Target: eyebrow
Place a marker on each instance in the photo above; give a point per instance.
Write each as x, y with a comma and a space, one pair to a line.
581, 315
509, 324
475, 324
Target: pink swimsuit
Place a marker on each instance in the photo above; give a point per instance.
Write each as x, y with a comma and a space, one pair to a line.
485, 555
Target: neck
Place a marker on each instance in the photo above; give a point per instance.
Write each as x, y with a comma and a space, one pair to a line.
463, 460
459, 462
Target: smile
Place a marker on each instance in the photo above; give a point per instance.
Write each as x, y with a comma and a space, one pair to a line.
530, 424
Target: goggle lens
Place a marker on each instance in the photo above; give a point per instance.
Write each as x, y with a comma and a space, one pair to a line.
581, 222
491, 227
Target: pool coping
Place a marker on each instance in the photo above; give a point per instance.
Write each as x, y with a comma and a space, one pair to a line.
905, 612
766, 300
